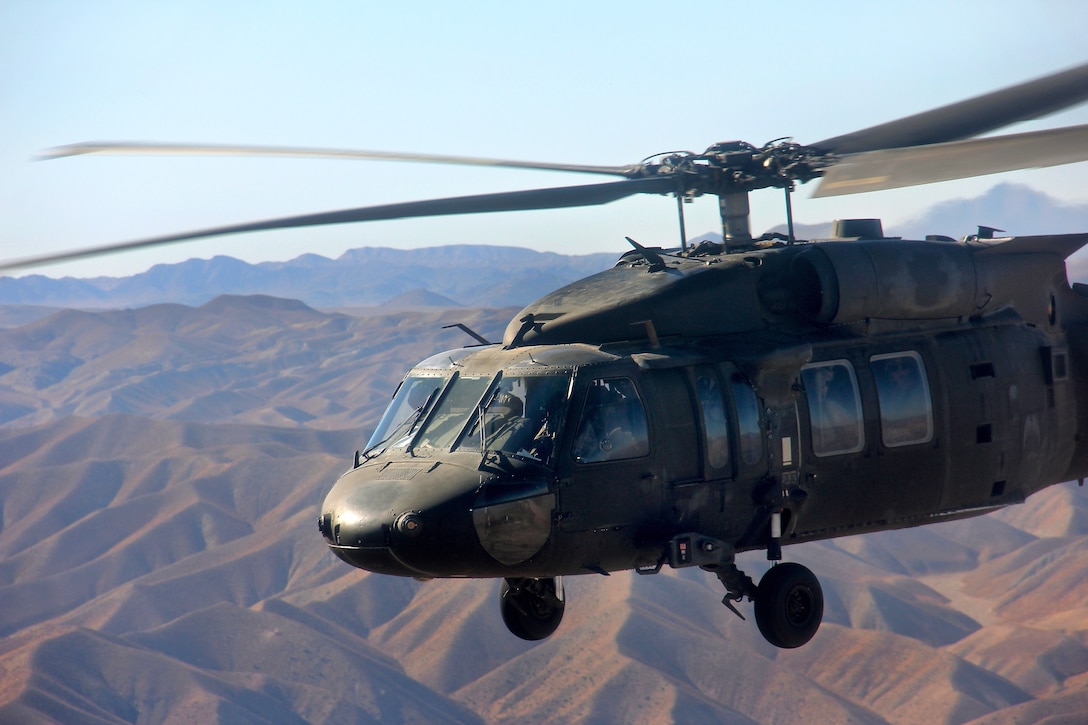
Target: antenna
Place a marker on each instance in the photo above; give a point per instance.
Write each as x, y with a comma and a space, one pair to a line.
681, 197
479, 338
789, 214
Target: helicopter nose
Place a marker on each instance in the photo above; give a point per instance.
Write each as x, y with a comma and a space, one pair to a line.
402, 527
358, 530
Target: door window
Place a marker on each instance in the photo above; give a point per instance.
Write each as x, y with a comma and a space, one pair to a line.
750, 437
715, 427
613, 423
834, 407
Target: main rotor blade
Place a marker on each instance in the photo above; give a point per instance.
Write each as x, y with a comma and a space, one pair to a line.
553, 198
176, 149
894, 168
971, 117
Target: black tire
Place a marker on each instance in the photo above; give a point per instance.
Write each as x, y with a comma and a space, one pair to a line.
789, 605
530, 607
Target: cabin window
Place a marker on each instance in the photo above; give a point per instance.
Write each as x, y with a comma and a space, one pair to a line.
750, 438
613, 423
715, 428
834, 407
906, 411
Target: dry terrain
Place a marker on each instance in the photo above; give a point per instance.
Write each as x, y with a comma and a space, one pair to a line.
160, 476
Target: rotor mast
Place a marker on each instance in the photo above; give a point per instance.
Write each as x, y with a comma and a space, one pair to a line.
736, 224
732, 169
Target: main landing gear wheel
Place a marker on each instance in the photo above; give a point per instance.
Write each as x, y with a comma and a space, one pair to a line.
789, 605
531, 608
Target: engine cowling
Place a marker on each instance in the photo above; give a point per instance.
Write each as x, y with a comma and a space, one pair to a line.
850, 281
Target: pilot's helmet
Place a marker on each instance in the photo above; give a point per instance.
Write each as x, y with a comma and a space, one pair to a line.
601, 395
507, 404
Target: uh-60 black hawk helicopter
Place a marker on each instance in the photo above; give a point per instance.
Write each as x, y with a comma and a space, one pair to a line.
690, 404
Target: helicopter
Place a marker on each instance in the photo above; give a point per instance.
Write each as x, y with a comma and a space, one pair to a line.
690, 404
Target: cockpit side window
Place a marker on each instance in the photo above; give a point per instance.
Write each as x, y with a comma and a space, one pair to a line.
613, 423
906, 412
834, 407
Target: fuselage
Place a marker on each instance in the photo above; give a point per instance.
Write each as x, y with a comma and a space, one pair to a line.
843, 395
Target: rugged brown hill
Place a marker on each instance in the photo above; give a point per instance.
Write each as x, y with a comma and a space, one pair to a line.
159, 563
235, 359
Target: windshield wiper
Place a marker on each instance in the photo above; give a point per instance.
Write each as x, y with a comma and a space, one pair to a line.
402, 429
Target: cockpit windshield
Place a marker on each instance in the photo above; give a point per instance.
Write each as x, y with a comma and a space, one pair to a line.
459, 403
415, 394
517, 415
520, 417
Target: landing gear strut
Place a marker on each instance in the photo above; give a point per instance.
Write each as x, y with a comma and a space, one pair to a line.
531, 608
789, 603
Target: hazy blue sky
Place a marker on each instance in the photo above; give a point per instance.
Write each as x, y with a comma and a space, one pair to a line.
580, 82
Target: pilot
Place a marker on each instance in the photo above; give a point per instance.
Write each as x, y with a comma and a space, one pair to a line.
502, 415
523, 425
506, 407
545, 421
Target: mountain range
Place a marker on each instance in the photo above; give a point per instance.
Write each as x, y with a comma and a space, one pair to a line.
472, 276
161, 469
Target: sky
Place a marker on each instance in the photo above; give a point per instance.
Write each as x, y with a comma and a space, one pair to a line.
573, 82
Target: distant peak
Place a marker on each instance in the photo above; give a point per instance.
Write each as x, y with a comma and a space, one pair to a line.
420, 297
227, 303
